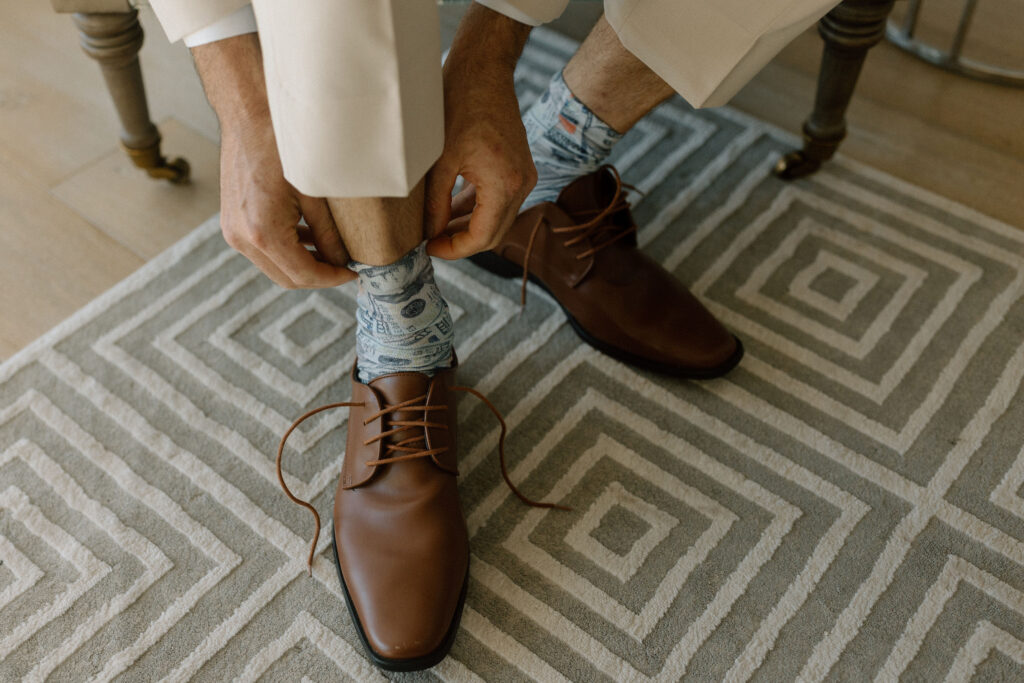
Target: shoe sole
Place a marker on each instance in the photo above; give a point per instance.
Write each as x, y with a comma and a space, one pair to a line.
496, 265
403, 665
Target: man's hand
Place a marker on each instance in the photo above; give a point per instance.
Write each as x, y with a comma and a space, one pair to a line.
260, 213
485, 141
260, 210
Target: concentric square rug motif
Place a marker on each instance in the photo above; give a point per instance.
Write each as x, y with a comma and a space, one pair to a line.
845, 505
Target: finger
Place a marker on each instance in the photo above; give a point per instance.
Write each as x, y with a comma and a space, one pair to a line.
459, 224
454, 247
323, 231
274, 273
440, 245
245, 247
302, 268
487, 223
437, 207
463, 202
306, 240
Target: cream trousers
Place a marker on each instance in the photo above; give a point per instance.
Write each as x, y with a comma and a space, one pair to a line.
355, 85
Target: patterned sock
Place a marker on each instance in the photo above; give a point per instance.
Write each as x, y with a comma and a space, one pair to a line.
566, 138
403, 321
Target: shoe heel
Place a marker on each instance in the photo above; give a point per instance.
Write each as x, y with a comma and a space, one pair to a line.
496, 265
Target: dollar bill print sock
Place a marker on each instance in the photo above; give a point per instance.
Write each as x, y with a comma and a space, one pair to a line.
566, 138
403, 323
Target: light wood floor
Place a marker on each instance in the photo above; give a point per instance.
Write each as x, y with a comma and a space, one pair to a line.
75, 217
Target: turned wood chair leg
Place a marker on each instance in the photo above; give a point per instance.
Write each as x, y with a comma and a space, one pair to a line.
114, 40
849, 31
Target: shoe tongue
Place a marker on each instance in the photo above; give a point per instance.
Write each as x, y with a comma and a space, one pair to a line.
400, 386
592, 191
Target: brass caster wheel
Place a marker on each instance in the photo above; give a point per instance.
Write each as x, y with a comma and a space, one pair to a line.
176, 171
156, 164
795, 165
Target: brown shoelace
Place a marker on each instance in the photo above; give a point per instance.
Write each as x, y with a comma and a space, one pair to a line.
413, 446
602, 231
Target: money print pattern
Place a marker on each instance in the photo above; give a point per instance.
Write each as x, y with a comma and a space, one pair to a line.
403, 321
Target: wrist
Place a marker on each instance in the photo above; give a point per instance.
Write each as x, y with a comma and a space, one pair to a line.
505, 38
231, 71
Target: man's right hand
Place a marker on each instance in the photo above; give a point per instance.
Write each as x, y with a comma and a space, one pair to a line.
260, 210
485, 141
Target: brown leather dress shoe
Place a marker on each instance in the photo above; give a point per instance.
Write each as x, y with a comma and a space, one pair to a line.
400, 541
582, 249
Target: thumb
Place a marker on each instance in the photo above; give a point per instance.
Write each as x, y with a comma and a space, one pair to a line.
323, 230
437, 207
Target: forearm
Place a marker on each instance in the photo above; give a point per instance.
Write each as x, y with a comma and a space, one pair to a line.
486, 66
504, 44
232, 74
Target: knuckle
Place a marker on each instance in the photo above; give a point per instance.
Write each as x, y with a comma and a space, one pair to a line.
530, 178
230, 231
232, 239
522, 180
529, 170
516, 178
256, 238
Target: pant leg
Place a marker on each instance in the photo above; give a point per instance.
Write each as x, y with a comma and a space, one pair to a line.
708, 49
355, 92
179, 18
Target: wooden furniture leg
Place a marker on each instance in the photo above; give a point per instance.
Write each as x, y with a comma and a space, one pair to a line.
849, 31
114, 40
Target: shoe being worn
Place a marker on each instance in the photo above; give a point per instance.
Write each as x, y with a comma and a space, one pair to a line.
400, 541
582, 249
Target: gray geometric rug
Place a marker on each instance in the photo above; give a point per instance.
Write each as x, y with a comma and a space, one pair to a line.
847, 505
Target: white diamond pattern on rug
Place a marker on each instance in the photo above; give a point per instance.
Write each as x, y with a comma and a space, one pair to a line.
622, 565
637, 625
87, 568
911, 279
848, 504
903, 333
25, 573
803, 285
334, 322
985, 639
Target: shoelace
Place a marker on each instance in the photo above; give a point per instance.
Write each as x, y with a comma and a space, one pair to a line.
595, 228
401, 450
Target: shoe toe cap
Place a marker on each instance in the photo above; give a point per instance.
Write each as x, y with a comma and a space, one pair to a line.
405, 594
406, 623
